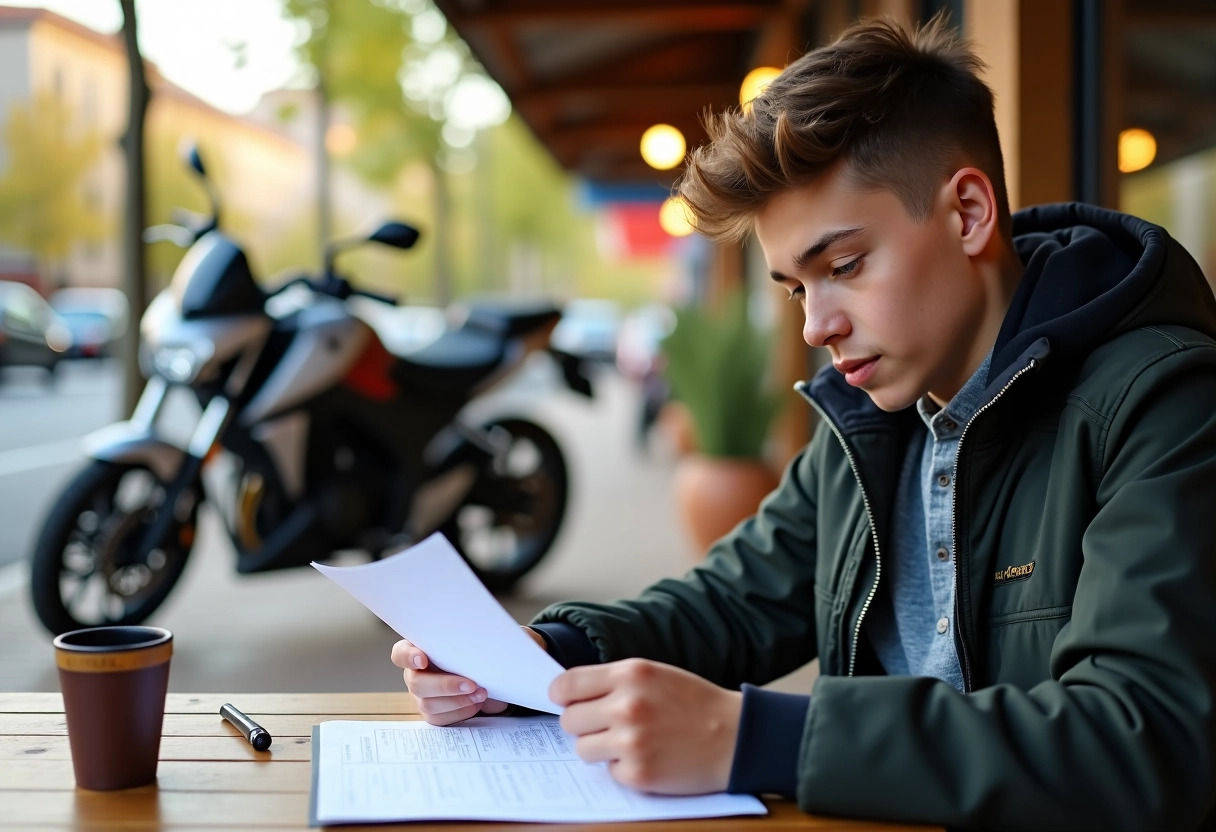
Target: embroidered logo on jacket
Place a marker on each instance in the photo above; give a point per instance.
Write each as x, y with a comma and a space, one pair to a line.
1015, 573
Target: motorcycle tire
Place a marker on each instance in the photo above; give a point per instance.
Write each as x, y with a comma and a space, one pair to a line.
499, 541
85, 572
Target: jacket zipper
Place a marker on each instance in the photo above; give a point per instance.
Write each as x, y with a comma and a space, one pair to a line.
968, 684
865, 498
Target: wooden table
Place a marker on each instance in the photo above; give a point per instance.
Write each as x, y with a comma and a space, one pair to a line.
209, 777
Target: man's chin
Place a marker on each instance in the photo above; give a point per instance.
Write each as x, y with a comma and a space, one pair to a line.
890, 400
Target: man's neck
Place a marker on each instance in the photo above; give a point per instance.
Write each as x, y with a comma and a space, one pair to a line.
1000, 277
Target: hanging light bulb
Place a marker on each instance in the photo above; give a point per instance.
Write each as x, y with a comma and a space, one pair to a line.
674, 217
754, 84
663, 146
1137, 149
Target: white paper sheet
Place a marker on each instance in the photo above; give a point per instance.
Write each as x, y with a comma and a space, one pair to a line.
486, 768
428, 594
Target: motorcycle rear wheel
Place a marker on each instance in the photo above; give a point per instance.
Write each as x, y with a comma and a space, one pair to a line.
85, 571
514, 510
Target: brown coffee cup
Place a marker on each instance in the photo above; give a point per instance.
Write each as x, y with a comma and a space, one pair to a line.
114, 681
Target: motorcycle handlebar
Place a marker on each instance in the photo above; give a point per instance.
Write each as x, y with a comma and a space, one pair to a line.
334, 286
389, 299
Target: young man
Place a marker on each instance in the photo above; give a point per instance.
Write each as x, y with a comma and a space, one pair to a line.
999, 542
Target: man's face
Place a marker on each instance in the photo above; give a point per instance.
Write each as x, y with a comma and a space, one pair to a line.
894, 300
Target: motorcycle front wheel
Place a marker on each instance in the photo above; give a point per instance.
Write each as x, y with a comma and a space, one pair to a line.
86, 569
514, 510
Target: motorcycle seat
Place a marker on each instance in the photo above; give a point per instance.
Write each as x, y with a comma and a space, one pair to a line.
455, 361
510, 320
460, 358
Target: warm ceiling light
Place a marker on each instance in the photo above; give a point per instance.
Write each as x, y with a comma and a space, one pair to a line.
663, 146
674, 217
755, 82
340, 139
1137, 149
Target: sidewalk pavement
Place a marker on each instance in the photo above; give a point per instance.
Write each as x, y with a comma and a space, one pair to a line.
295, 631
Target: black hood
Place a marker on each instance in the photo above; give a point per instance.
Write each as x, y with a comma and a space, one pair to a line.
1090, 274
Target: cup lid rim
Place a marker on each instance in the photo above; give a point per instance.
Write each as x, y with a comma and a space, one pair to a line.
156, 636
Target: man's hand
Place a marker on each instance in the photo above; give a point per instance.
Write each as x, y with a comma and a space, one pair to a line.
659, 728
444, 698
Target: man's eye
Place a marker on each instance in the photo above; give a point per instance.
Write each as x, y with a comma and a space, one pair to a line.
797, 294
847, 269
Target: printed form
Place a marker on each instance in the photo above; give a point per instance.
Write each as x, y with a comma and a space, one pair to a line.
486, 768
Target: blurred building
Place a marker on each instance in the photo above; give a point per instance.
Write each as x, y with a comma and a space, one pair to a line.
263, 162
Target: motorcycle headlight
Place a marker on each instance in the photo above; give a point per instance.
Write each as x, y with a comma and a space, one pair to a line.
181, 363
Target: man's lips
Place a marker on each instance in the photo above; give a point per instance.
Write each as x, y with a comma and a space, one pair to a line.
846, 367
858, 371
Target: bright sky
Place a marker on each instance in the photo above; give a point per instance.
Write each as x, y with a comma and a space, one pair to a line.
195, 44
230, 52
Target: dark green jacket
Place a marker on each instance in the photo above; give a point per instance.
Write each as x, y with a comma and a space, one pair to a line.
1085, 537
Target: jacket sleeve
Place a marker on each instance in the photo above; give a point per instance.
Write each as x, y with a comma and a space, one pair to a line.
1121, 735
744, 615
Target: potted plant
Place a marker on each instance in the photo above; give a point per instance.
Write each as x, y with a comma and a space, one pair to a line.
718, 366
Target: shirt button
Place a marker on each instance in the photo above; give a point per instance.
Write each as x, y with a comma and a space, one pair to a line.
943, 624
943, 480
943, 554
949, 425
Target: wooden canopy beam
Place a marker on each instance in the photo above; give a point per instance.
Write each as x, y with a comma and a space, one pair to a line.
701, 16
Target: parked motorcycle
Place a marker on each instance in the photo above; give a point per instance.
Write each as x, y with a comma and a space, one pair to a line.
331, 441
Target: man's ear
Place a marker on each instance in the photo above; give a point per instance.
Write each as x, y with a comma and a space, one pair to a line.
971, 196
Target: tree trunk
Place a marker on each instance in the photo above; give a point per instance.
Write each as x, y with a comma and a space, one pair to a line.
134, 216
443, 225
324, 212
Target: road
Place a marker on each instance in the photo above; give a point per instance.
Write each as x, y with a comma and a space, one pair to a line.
41, 424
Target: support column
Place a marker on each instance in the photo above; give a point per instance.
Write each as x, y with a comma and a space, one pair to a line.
1027, 45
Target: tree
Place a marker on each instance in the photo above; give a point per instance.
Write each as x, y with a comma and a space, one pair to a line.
360, 51
43, 208
134, 266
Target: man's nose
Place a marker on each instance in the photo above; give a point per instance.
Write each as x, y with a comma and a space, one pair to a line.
824, 323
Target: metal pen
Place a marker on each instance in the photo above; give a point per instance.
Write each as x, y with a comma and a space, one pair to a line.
258, 736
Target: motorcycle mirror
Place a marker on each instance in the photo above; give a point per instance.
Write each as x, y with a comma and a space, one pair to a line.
192, 158
395, 234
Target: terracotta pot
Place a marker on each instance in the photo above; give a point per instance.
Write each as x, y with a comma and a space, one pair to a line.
714, 493
675, 422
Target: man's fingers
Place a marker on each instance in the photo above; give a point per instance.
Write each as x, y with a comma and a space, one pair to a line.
581, 683
427, 683
594, 748
435, 705
493, 706
584, 718
451, 717
405, 655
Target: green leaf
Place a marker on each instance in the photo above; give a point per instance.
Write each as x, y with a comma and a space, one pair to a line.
718, 364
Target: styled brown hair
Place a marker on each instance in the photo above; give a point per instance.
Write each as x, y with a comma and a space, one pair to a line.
902, 110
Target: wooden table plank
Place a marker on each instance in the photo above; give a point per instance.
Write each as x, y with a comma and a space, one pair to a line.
194, 725
171, 776
171, 748
150, 808
388, 702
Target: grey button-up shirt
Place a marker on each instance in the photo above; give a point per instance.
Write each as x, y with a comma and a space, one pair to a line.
913, 630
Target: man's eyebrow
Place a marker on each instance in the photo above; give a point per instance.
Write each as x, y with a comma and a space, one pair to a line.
819, 247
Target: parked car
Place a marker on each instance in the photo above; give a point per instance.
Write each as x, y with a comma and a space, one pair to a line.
31, 334
639, 356
96, 317
589, 329
638, 350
